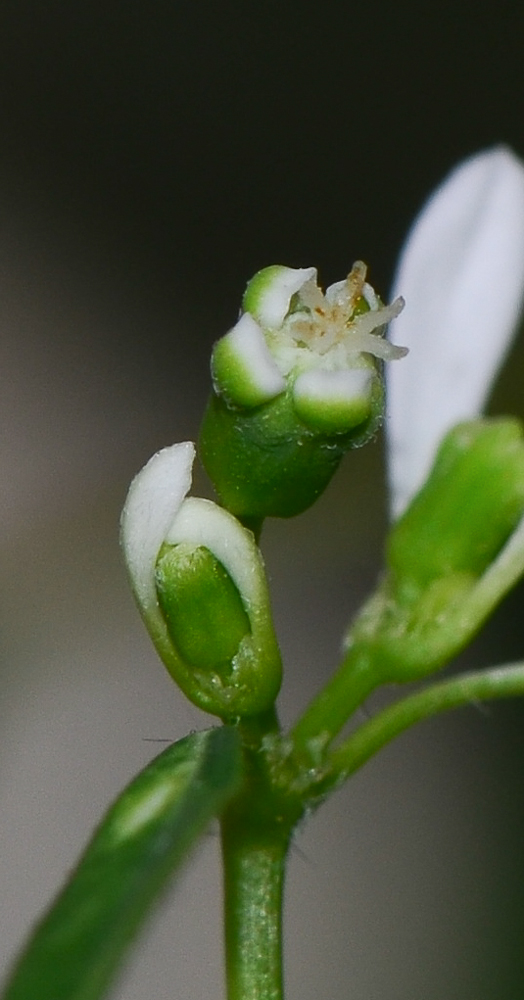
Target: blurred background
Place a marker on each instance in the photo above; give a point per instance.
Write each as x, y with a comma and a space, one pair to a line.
152, 157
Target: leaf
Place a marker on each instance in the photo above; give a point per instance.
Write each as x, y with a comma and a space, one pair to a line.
145, 836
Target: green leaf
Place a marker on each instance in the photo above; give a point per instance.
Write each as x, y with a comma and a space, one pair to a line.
145, 836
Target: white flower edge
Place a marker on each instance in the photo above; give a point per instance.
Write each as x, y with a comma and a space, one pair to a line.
154, 498
157, 511
242, 366
462, 275
343, 396
269, 293
203, 523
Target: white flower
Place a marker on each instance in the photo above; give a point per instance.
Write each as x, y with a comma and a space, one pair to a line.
323, 344
462, 275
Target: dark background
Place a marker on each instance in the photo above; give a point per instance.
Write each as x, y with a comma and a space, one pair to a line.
152, 157
172, 149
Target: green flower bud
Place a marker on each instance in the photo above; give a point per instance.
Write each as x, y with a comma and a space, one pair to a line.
452, 556
470, 504
199, 581
297, 383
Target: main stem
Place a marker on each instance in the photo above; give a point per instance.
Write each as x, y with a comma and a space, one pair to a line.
256, 829
254, 864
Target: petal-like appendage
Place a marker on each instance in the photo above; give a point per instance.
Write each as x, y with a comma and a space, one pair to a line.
269, 293
333, 401
203, 523
462, 276
243, 368
154, 498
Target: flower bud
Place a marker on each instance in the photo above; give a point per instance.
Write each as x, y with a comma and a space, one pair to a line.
470, 504
452, 556
297, 383
199, 581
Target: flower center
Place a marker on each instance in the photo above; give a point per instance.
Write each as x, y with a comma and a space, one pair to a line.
337, 326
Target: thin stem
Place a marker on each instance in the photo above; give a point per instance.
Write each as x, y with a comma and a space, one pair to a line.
483, 685
254, 865
330, 710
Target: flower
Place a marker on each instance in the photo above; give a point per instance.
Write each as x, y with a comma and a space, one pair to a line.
462, 275
297, 382
323, 344
198, 579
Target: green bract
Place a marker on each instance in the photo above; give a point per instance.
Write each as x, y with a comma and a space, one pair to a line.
297, 383
199, 581
452, 556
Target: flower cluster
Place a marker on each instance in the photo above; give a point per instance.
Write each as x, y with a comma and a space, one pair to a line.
297, 382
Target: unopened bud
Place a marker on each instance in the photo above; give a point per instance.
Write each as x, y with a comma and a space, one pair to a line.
452, 556
199, 581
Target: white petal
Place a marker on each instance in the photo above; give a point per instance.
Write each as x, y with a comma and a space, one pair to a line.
333, 402
320, 386
271, 290
243, 367
248, 340
462, 276
154, 498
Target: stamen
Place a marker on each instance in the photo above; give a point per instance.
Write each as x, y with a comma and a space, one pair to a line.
361, 336
325, 324
356, 280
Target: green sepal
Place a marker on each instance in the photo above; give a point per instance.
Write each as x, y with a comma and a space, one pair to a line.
78, 946
265, 462
406, 641
233, 376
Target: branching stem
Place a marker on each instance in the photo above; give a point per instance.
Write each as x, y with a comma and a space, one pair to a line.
483, 685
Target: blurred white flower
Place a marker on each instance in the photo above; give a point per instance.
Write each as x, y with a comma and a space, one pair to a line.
461, 273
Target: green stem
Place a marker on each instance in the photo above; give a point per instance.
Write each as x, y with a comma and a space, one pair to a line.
326, 715
484, 685
254, 865
256, 829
